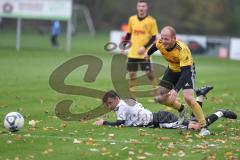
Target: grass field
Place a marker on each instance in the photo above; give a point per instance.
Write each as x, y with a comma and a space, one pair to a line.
24, 87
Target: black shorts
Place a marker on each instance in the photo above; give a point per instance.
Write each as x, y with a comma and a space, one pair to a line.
133, 64
173, 77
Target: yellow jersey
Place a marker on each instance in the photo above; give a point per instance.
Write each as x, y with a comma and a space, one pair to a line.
141, 32
178, 57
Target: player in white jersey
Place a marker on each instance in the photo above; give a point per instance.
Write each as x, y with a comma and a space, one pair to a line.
131, 113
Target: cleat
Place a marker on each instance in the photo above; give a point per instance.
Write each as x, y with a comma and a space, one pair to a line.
204, 132
228, 114
203, 90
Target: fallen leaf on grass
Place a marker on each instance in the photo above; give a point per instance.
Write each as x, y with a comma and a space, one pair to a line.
33, 123
17, 158
228, 154
18, 138
171, 145
47, 151
141, 157
211, 157
134, 141
201, 146
90, 141
27, 135
198, 136
110, 135
131, 153
165, 155
41, 100
9, 141
63, 125
220, 140
164, 138
104, 151
144, 134
47, 128
220, 126
30, 157
148, 154
181, 154
189, 140
124, 148
94, 150
76, 141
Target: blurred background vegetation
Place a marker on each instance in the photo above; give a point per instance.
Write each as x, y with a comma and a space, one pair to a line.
201, 17
215, 17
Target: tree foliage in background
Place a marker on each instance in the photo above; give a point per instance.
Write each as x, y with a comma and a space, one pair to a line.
215, 17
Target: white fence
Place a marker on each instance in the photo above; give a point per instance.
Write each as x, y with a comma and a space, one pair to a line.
223, 47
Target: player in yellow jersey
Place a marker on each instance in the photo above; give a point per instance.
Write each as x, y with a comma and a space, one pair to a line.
142, 32
180, 73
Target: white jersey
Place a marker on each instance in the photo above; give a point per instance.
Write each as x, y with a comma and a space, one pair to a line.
133, 113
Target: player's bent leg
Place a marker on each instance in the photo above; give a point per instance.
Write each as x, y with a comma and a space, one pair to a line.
227, 113
162, 98
197, 110
201, 94
220, 113
133, 84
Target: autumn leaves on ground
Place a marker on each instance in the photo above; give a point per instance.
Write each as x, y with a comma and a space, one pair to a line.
25, 88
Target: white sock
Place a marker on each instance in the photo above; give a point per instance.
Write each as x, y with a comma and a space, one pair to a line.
219, 114
200, 98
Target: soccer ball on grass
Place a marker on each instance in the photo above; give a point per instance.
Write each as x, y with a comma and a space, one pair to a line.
13, 121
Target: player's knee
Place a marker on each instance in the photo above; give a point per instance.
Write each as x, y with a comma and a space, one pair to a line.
132, 75
189, 100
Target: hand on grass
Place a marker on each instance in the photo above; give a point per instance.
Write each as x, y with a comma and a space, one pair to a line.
99, 122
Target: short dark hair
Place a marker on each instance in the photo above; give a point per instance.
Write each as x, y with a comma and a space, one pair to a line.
171, 29
142, 1
109, 94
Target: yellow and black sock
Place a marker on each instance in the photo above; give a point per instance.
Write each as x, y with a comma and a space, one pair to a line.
197, 110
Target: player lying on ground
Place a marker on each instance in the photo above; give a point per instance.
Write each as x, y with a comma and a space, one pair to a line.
131, 113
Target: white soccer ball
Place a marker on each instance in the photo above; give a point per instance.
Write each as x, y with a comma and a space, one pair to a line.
13, 121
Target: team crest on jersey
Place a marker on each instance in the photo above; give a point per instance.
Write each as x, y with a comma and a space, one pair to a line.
178, 47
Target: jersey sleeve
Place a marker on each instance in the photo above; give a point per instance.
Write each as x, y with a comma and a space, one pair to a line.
154, 29
173, 125
130, 25
185, 57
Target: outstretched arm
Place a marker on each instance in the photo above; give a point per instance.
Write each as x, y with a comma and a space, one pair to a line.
173, 125
101, 122
153, 38
151, 50
116, 123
